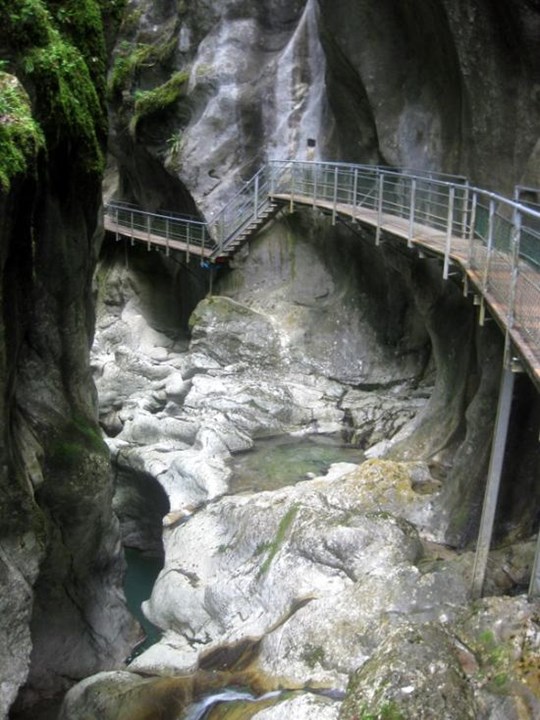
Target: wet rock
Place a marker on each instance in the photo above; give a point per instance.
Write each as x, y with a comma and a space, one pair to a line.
311, 574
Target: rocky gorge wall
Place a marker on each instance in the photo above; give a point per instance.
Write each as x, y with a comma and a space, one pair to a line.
200, 93
203, 93
298, 586
62, 611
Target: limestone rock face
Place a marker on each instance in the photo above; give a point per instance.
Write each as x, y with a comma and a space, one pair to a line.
311, 573
415, 673
422, 86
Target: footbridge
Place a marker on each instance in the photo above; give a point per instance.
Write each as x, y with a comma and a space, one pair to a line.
491, 242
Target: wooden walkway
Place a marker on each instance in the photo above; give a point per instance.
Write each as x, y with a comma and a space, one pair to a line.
433, 241
153, 240
506, 282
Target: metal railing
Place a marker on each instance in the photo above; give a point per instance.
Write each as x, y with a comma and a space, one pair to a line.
243, 210
501, 236
169, 227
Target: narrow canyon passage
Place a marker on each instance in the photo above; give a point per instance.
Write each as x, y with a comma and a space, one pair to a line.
295, 442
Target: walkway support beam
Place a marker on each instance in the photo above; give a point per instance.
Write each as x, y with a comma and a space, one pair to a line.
493, 481
534, 587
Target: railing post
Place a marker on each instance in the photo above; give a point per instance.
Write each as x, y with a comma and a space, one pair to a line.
510, 316
449, 224
272, 179
355, 192
291, 203
148, 233
187, 243
315, 181
411, 212
485, 277
472, 228
117, 234
131, 224
334, 200
379, 209
203, 240
256, 198
465, 211
167, 237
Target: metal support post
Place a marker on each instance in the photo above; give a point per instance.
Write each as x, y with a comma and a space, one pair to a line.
355, 193
472, 230
256, 198
449, 224
379, 209
167, 237
411, 213
291, 203
334, 206
516, 236
187, 243
272, 181
489, 245
315, 188
493, 481
131, 222
148, 232
534, 586
465, 210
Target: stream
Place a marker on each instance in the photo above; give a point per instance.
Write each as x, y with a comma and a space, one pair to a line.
141, 574
285, 460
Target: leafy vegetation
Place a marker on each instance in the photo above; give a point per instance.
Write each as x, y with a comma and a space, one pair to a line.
149, 102
175, 142
131, 58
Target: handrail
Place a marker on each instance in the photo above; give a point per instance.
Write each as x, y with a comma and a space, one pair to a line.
501, 236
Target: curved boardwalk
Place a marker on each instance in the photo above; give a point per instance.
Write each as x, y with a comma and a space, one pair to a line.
493, 241
523, 335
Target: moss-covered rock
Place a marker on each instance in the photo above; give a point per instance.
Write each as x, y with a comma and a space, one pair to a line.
415, 674
68, 618
21, 137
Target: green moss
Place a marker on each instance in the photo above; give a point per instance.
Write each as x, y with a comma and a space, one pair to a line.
132, 58
387, 711
58, 53
20, 135
313, 655
81, 21
27, 23
67, 98
273, 547
159, 99
74, 442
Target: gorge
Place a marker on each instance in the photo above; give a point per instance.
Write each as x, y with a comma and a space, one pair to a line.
351, 590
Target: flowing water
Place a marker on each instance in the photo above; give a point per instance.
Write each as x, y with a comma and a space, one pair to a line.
285, 460
199, 710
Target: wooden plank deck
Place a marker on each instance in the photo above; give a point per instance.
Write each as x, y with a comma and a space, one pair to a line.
525, 330
143, 236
